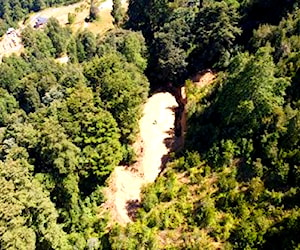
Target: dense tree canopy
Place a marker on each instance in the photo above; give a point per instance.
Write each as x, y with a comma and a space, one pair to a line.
235, 185
65, 127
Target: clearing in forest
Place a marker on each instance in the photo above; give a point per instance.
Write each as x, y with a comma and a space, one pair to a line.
81, 12
10, 45
156, 140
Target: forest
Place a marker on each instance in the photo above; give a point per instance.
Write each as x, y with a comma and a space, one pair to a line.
65, 127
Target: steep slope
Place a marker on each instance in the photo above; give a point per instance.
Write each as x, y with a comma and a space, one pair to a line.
156, 139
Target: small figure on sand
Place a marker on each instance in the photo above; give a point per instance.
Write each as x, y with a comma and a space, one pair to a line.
155, 122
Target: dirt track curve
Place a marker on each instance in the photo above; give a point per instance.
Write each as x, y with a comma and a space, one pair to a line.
157, 136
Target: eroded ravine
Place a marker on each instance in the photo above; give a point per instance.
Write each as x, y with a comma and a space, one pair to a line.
156, 140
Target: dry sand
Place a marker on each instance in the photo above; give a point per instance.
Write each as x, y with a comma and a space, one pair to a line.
156, 134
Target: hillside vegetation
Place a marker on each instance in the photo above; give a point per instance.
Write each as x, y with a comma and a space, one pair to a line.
236, 183
65, 127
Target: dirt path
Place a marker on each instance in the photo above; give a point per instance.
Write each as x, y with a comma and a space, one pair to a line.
156, 126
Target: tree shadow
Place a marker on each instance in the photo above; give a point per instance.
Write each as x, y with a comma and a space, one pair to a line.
173, 108
173, 143
132, 206
169, 142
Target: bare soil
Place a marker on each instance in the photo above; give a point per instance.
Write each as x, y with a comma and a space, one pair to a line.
202, 80
10, 43
156, 141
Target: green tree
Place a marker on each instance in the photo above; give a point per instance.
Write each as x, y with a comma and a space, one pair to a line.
71, 18
122, 88
86, 45
8, 105
38, 5
58, 35
129, 43
29, 218
172, 45
215, 29
252, 91
37, 43
117, 12
57, 153
148, 16
94, 131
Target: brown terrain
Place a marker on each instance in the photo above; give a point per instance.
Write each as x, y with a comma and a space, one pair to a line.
156, 140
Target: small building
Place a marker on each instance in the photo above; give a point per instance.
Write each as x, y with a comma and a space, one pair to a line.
40, 21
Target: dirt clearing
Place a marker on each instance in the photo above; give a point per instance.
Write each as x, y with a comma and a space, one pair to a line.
204, 79
11, 43
81, 12
157, 137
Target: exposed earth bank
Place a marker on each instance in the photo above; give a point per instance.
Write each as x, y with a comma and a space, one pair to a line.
156, 140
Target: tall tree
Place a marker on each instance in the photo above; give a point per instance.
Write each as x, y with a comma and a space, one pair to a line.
85, 45
252, 91
122, 88
148, 16
117, 12
58, 35
172, 45
28, 217
215, 28
8, 105
129, 43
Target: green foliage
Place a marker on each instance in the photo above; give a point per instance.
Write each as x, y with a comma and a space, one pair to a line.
97, 133
8, 105
68, 132
37, 43
58, 35
239, 187
71, 18
173, 42
135, 236
117, 12
28, 216
215, 28
85, 45
64, 127
147, 16
130, 44
260, 94
121, 87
